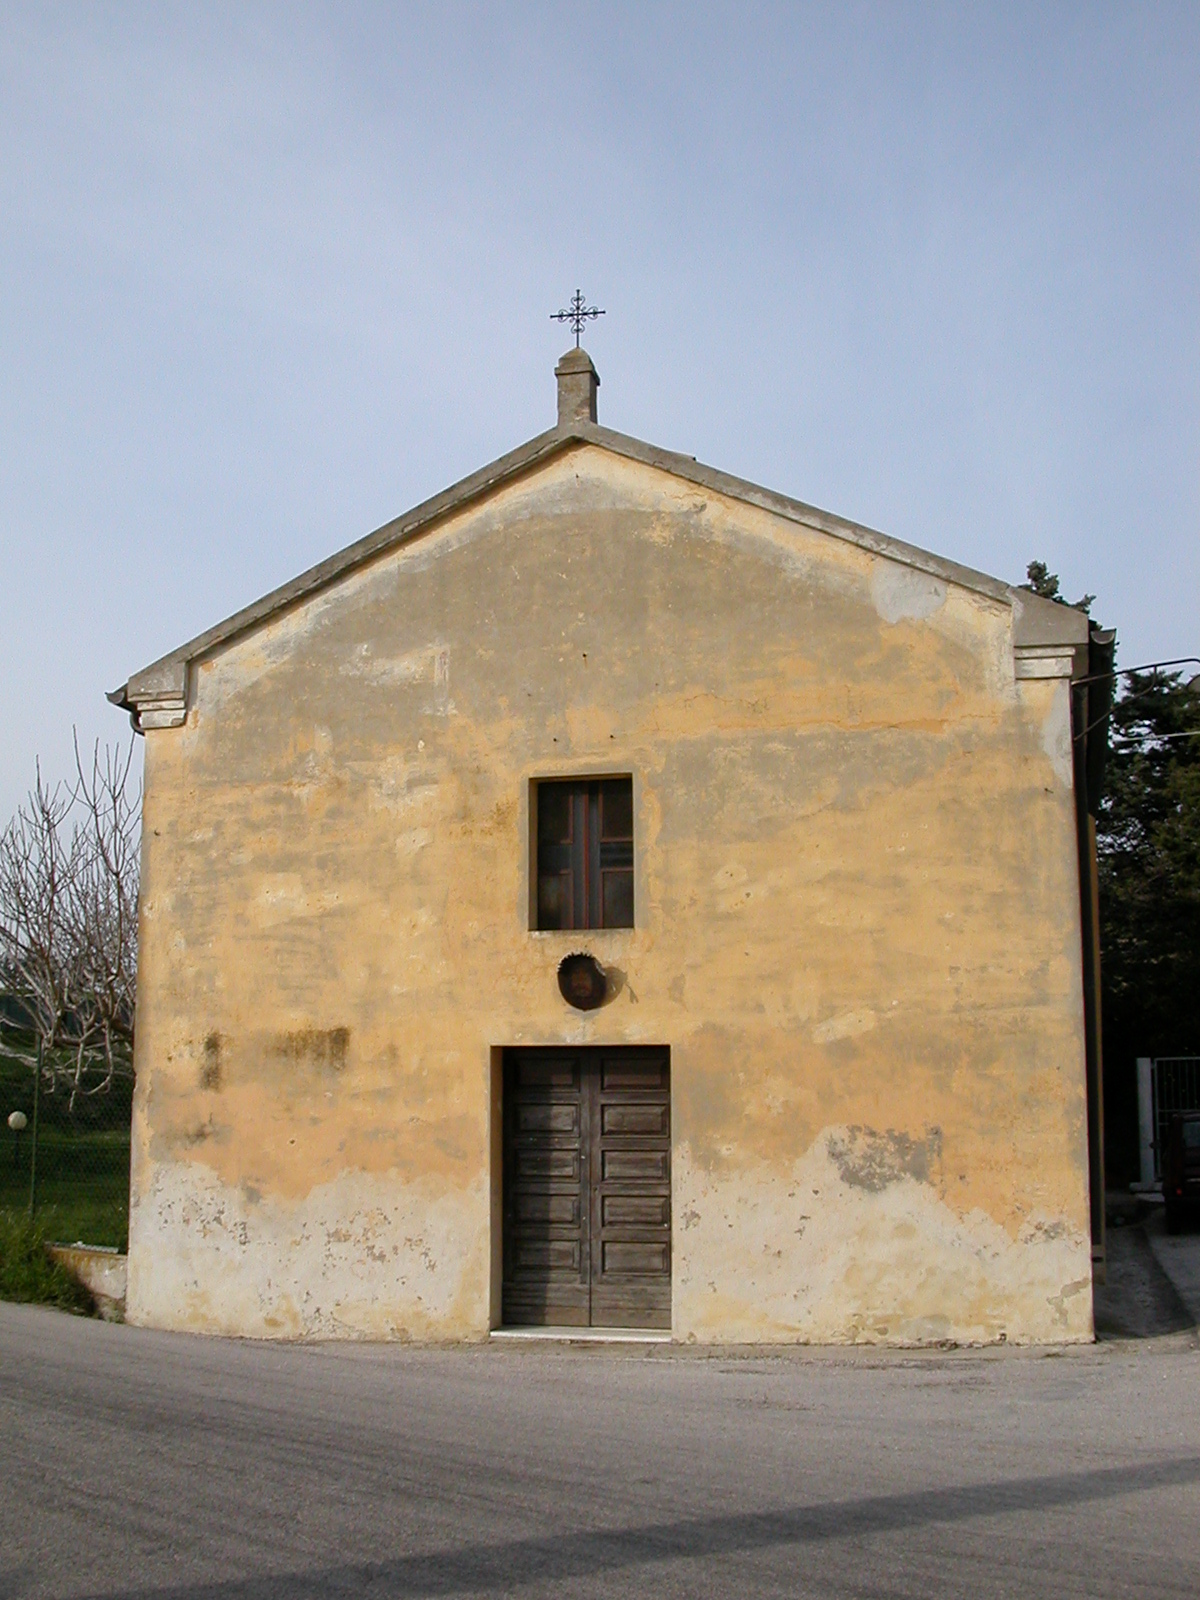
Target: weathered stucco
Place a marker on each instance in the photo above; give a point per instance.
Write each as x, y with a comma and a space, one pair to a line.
857, 929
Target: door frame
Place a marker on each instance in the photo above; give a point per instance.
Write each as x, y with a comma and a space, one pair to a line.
496, 1110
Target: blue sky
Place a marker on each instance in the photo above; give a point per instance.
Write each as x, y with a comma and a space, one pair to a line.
270, 275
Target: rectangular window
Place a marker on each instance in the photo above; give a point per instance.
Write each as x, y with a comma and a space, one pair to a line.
585, 854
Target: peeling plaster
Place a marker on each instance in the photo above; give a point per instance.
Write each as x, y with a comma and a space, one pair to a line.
361, 1257
901, 594
1056, 733
867, 1159
820, 1260
848, 1026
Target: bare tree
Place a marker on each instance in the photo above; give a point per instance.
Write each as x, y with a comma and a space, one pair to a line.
38, 865
68, 924
104, 903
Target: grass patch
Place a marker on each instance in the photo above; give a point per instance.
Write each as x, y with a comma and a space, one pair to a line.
83, 1158
83, 1186
30, 1274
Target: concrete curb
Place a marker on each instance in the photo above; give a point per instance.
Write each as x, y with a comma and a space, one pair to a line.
102, 1270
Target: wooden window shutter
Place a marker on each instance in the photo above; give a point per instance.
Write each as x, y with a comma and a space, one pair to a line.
585, 854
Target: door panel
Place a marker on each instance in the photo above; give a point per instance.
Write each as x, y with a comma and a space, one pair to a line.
562, 1208
634, 1119
587, 1188
634, 1166
631, 1190
547, 1164
644, 1211
551, 1073
549, 1119
639, 1076
547, 1253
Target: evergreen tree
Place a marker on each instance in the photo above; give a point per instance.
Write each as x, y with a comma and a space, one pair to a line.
1148, 841
1148, 850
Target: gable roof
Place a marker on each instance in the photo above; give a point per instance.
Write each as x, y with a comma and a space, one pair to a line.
157, 695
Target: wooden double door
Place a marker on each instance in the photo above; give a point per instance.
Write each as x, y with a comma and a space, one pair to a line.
587, 1188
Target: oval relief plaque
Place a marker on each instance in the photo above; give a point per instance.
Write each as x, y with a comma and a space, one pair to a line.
582, 982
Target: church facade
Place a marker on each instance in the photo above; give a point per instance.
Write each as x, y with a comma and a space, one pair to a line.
617, 895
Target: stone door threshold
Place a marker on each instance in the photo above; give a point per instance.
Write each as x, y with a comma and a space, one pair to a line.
585, 1335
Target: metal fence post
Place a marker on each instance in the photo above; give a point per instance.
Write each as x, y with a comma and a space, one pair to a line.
33, 1138
1145, 1094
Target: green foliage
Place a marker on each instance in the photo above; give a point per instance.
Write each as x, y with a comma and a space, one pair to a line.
29, 1273
1041, 581
1148, 842
1148, 849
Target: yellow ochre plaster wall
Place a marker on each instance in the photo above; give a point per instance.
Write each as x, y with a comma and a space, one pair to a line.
857, 930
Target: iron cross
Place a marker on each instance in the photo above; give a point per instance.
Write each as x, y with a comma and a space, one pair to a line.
578, 313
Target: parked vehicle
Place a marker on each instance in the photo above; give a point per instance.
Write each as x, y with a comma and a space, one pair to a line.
1181, 1168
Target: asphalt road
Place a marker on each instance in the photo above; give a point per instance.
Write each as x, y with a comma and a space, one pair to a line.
141, 1464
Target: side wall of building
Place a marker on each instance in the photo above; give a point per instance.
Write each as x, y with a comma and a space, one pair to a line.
857, 928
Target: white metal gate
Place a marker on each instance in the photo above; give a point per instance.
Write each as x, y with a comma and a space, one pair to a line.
1166, 1084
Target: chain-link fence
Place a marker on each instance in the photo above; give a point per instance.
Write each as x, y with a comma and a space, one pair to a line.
67, 1156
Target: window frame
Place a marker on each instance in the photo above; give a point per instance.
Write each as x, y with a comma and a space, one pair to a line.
585, 852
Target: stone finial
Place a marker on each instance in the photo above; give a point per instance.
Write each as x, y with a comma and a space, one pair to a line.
577, 385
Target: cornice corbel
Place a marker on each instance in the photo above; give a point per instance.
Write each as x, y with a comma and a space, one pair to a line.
1043, 661
156, 698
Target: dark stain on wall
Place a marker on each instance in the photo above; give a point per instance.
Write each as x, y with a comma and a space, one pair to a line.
868, 1159
210, 1065
319, 1047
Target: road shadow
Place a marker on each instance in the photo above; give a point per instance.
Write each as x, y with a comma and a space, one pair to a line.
504, 1567
1138, 1300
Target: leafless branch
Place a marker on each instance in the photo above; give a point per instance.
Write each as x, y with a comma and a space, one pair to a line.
69, 879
